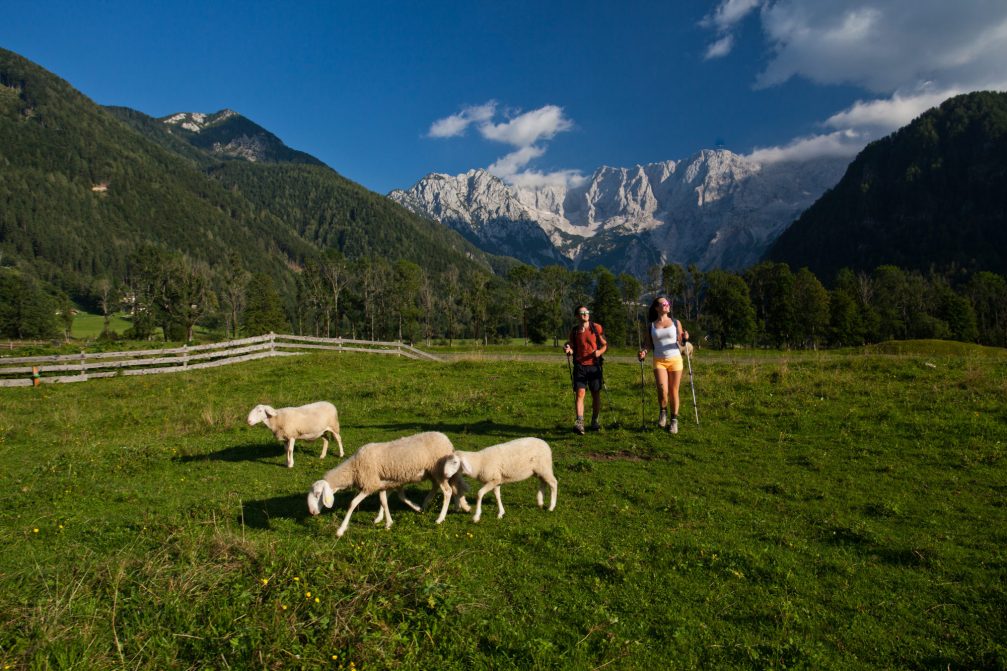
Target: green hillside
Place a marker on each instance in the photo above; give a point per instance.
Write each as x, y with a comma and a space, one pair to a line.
81, 190
331, 211
83, 186
933, 194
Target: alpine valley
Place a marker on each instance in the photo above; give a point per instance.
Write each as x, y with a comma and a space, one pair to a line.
715, 209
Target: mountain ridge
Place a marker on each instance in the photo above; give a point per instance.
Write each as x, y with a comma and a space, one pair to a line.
714, 208
932, 195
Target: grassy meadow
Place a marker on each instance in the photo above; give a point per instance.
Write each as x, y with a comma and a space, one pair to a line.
834, 510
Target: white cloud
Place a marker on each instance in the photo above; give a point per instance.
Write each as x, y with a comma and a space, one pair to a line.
527, 132
509, 165
720, 48
838, 143
888, 45
528, 128
913, 54
456, 124
729, 13
886, 115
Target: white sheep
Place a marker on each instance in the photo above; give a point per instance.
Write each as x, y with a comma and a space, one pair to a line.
507, 462
378, 467
306, 422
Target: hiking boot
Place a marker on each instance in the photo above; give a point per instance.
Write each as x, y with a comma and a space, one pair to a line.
662, 419
578, 427
673, 426
595, 426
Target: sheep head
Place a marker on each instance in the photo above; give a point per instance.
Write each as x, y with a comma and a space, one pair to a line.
259, 414
454, 463
321, 490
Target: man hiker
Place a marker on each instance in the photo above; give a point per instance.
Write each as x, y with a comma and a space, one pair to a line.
587, 345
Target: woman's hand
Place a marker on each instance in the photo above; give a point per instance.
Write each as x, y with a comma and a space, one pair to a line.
641, 355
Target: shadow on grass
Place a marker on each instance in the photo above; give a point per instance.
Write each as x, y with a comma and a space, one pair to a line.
265, 453
258, 514
504, 432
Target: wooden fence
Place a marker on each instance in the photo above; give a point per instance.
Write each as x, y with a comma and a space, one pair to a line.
89, 366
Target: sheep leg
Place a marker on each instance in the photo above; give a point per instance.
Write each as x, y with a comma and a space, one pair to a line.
553, 488
353, 505
446, 491
459, 488
385, 511
290, 453
500, 509
339, 441
401, 491
381, 515
325, 446
479, 499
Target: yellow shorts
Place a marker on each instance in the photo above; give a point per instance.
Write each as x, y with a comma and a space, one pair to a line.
674, 364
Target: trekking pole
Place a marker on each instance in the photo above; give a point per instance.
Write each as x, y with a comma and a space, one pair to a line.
643, 384
692, 384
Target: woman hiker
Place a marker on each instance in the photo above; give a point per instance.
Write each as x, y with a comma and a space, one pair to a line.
665, 338
587, 345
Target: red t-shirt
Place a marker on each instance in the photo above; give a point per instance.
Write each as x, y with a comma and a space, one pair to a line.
584, 344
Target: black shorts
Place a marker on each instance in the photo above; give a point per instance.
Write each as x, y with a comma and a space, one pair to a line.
586, 377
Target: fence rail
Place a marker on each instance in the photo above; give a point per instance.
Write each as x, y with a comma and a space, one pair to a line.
89, 366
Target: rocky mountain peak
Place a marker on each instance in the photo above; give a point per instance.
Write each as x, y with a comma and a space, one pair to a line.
714, 209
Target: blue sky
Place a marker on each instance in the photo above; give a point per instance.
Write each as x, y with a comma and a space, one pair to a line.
387, 92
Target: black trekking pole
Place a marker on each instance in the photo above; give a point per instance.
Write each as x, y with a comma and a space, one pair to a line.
692, 384
643, 384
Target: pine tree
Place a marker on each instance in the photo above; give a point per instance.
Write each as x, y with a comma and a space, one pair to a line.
264, 311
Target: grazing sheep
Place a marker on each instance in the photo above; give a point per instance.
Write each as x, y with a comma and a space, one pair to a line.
307, 422
507, 462
378, 467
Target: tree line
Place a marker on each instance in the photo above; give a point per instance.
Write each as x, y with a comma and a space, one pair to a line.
166, 294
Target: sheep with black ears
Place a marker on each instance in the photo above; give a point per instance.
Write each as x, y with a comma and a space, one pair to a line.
305, 422
378, 467
507, 462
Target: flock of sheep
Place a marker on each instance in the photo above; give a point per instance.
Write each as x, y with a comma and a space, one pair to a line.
379, 467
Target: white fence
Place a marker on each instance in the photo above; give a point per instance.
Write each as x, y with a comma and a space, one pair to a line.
85, 366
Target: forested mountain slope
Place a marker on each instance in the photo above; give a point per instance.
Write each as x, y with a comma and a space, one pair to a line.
82, 186
331, 211
80, 190
931, 195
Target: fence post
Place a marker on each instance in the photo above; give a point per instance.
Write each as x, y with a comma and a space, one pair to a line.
272, 344
185, 356
83, 368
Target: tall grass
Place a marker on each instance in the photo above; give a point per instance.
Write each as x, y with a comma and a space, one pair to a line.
833, 510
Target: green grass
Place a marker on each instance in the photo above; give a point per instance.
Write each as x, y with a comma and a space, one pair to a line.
833, 511
87, 325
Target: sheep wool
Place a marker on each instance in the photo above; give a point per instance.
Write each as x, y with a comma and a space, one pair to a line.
507, 462
378, 467
305, 422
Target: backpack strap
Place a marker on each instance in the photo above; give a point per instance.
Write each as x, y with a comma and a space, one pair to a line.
597, 336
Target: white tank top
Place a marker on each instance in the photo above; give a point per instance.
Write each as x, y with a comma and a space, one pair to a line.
665, 341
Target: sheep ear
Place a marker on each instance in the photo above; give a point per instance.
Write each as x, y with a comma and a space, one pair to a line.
270, 412
466, 467
328, 498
